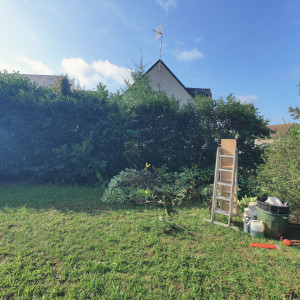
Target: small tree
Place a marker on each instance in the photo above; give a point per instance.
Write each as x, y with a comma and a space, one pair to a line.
64, 85
280, 176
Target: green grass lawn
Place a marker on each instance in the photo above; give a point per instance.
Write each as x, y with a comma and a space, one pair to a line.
63, 242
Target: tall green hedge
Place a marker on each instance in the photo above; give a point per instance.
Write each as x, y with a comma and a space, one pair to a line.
65, 135
280, 175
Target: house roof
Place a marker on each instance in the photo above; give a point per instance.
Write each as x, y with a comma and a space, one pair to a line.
191, 91
278, 129
41, 80
196, 91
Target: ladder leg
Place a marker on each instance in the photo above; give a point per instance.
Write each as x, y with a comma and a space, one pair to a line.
214, 199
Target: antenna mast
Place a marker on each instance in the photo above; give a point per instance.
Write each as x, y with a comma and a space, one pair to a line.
159, 33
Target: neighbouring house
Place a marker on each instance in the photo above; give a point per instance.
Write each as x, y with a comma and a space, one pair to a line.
163, 79
42, 80
277, 131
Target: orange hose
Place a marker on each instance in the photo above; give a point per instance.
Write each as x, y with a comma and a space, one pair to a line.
267, 246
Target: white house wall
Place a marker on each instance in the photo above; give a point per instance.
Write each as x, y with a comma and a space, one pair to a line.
163, 80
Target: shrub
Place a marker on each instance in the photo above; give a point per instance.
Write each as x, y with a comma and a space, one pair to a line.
248, 185
157, 186
68, 135
280, 176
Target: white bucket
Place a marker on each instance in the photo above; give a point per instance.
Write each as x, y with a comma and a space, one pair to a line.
257, 228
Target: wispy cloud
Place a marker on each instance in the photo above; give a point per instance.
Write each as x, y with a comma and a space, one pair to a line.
189, 55
248, 98
117, 15
167, 4
89, 75
57, 9
9, 68
36, 66
198, 40
32, 35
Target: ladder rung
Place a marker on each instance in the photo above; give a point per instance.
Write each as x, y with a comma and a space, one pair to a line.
226, 155
222, 212
223, 198
223, 183
227, 180
227, 170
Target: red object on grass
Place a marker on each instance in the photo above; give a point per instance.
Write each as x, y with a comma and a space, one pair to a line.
287, 242
267, 246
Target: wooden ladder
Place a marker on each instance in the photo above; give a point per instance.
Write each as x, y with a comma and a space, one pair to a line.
224, 199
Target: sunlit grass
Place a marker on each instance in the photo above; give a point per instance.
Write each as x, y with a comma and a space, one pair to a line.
63, 242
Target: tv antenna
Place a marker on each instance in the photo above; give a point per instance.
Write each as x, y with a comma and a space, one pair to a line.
159, 33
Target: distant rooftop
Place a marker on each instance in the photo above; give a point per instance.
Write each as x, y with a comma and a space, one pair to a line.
41, 80
198, 91
278, 129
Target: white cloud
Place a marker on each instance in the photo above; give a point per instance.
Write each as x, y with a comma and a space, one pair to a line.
36, 66
32, 35
167, 4
248, 98
89, 75
9, 68
198, 40
189, 55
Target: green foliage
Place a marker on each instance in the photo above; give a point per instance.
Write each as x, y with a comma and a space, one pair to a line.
64, 85
248, 185
245, 201
67, 135
280, 175
295, 111
221, 119
47, 136
159, 187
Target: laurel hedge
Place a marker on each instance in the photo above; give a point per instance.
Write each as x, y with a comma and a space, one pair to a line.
67, 135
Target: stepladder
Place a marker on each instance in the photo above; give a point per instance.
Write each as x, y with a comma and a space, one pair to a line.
224, 201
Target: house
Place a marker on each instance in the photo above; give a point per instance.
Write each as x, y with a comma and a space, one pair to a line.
276, 132
42, 80
163, 79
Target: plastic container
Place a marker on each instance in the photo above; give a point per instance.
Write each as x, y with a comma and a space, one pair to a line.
273, 208
247, 222
257, 229
249, 215
276, 225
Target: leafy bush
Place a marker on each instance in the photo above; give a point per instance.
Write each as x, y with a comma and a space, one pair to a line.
248, 185
280, 176
58, 136
245, 201
156, 186
68, 135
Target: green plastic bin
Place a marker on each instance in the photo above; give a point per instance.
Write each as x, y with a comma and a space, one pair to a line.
276, 225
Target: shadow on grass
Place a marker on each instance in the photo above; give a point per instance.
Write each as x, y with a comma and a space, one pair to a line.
86, 199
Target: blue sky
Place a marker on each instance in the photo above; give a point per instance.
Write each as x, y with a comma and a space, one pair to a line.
248, 48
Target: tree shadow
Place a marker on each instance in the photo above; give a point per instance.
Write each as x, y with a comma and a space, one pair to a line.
83, 199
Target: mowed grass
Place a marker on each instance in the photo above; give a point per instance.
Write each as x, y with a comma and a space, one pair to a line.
62, 242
